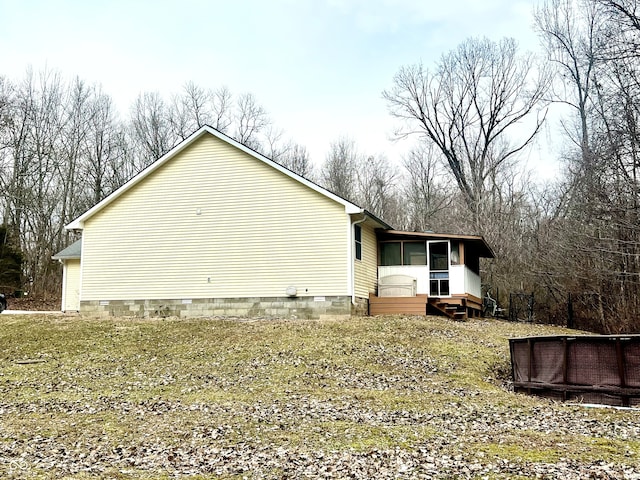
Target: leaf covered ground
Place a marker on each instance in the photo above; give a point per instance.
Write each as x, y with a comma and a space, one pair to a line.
383, 397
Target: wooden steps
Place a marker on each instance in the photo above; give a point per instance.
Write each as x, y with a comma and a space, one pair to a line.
452, 307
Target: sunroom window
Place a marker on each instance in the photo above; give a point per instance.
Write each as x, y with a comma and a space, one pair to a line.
403, 253
391, 253
414, 253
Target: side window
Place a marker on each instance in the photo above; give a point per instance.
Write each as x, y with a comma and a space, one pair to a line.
357, 234
390, 253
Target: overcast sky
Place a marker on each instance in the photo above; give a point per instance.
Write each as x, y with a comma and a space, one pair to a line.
317, 66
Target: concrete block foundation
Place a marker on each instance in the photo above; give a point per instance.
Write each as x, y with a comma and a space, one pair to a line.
250, 307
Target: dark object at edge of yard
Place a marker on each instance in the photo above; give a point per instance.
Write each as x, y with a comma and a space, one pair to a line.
603, 369
3, 302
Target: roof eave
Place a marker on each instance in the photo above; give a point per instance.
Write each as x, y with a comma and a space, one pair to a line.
66, 257
378, 220
73, 251
489, 253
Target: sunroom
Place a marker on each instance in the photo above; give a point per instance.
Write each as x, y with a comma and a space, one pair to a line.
421, 273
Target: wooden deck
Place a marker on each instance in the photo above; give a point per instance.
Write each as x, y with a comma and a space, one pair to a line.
456, 307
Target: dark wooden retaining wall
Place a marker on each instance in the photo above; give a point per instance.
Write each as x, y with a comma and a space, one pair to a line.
602, 369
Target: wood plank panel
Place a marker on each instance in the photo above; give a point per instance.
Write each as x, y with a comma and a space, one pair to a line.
395, 305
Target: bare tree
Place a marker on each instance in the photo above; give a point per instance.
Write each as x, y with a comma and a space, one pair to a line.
6, 121
150, 127
370, 181
34, 192
625, 13
274, 145
5, 100
73, 146
106, 166
187, 110
337, 174
570, 35
593, 44
195, 107
250, 121
221, 108
296, 158
376, 182
427, 195
467, 106
156, 126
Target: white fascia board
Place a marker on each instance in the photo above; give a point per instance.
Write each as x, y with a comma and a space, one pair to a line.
78, 223
353, 209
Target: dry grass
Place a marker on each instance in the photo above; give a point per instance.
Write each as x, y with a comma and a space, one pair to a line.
125, 398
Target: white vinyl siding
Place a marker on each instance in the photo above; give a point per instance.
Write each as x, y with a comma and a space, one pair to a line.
366, 270
71, 294
214, 222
